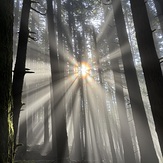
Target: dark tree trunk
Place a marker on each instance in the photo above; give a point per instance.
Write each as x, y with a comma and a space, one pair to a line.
122, 112
58, 111
146, 146
150, 64
6, 54
19, 70
114, 63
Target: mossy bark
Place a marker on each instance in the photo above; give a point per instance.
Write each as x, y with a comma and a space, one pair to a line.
6, 52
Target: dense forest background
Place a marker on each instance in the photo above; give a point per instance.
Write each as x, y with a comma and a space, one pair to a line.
81, 81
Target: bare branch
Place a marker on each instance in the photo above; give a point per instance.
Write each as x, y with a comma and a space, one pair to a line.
153, 30
38, 11
27, 69
32, 32
29, 72
33, 38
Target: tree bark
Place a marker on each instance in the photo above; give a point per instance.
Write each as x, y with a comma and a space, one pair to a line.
150, 64
6, 54
104, 111
146, 146
58, 111
19, 70
159, 8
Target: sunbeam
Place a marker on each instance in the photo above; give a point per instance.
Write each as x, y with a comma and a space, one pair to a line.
79, 75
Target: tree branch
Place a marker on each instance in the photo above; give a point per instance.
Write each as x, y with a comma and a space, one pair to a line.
38, 11
32, 32
33, 38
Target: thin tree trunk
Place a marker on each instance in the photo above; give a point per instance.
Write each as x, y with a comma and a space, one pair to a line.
70, 23
46, 123
147, 151
122, 111
159, 8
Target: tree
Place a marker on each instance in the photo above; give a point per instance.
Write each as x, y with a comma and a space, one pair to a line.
104, 111
139, 115
58, 111
122, 111
150, 64
6, 54
20, 70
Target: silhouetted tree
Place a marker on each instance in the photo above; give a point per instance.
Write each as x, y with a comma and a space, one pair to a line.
20, 70
58, 111
150, 64
140, 119
6, 54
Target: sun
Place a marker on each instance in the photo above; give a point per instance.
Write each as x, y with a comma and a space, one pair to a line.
85, 69
82, 70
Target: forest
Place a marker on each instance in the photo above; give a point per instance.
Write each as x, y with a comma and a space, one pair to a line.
81, 81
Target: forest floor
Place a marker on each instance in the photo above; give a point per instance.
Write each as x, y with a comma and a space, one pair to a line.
50, 161
33, 155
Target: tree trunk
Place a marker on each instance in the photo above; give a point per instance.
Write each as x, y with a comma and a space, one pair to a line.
146, 146
159, 8
104, 111
70, 24
122, 112
150, 64
58, 111
6, 54
46, 123
19, 70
